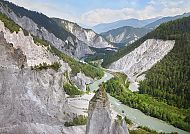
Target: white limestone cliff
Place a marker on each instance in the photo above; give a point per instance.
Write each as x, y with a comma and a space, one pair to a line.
86, 35
30, 101
78, 48
142, 58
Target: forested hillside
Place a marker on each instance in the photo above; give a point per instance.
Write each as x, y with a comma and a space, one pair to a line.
158, 33
118, 88
76, 66
169, 80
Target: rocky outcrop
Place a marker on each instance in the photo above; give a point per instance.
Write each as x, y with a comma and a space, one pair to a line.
71, 45
35, 54
143, 58
119, 127
86, 35
100, 120
30, 101
9, 56
80, 80
99, 114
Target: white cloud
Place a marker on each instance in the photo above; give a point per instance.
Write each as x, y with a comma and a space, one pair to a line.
47, 8
154, 8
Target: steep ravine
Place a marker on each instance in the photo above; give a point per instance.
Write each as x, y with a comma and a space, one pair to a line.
70, 45
80, 106
32, 100
88, 36
142, 59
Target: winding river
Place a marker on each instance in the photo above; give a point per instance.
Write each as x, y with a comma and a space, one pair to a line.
135, 115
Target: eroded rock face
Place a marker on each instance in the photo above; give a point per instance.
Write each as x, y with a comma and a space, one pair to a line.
119, 127
35, 54
71, 46
30, 101
86, 35
9, 55
100, 120
80, 80
143, 58
99, 114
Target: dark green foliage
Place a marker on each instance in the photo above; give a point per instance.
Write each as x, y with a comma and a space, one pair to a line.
87, 89
76, 66
119, 119
128, 121
79, 120
55, 66
150, 106
187, 119
10, 24
100, 53
41, 42
169, 80
148, 129
71, 89
112, 57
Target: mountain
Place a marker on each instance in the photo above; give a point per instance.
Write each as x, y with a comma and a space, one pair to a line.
156, 23
158, 65
55, 33
36, 77
100, 28
125, 35
88, 36
40, 25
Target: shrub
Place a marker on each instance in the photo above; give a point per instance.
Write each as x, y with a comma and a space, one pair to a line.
79, 120
55, 66
71, 90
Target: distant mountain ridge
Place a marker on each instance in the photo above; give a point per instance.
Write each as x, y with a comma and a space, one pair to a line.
125, 35
159, 61
59, 36
156, 23
100, 28
88, 36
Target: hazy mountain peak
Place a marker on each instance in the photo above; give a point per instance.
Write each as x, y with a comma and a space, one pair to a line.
121, 23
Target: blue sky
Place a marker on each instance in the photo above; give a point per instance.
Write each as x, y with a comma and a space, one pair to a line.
92, 12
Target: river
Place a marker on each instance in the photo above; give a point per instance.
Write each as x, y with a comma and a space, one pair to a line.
135, 115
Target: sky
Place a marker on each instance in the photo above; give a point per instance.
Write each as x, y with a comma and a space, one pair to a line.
93, 12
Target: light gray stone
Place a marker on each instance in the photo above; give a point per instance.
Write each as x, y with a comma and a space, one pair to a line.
100, 118
29, 99
80, 80
77, 50
86, 35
